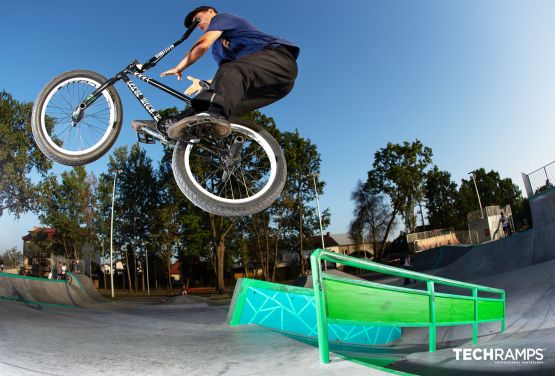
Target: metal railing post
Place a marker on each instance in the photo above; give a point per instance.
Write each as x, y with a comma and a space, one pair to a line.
504, 313
475, 325
321, 320
433, 328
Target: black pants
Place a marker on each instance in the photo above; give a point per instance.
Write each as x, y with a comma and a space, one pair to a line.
251, 82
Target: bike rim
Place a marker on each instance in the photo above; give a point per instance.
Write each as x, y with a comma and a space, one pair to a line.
91, 132
245, 184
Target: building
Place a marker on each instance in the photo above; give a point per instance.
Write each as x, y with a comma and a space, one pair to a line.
343, 244
42, 253
486, 222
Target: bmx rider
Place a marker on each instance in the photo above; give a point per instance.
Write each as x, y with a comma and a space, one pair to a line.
255, 69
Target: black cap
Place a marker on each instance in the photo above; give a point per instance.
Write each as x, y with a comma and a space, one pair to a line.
189, 17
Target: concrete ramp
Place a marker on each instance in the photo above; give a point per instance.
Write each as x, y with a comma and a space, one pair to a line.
33, 290
520, 250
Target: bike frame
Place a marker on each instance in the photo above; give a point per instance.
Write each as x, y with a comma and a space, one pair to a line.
136, 69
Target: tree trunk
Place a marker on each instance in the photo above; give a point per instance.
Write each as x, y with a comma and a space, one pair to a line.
143, 278
155, 274
169, 264
220, 252
127, 267
301, 233
382, 248
135, 276
218, 236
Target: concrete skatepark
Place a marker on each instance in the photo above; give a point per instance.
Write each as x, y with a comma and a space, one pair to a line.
61, 329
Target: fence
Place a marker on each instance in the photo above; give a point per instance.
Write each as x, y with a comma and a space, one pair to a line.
540, 180
419, 241
346, 300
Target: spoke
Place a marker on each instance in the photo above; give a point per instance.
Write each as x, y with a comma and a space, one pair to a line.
208, 160
99, 111
245, 183
241, 180
98, 129
63, 110
63, 97
253, 179
68, 134
251, 153
208, 177
81, 138
257, 167
91, 128
68, 128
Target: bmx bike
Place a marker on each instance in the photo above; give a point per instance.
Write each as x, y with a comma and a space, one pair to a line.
77, 117
66, 277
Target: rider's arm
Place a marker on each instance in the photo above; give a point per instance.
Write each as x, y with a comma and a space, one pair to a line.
199, 48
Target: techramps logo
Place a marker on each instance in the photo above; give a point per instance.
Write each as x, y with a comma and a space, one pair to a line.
526, 356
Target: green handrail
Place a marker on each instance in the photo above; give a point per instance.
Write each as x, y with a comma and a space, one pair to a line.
491, 305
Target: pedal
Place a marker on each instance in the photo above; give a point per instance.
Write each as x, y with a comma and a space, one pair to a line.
145, 138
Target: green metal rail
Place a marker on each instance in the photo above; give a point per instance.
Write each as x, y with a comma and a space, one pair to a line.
346, 300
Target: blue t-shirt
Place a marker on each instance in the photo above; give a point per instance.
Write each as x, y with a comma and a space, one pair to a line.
240, 38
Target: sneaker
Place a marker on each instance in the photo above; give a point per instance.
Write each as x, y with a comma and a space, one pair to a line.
218, 126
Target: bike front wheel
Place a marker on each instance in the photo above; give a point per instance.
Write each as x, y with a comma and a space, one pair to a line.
240, 175
83, 141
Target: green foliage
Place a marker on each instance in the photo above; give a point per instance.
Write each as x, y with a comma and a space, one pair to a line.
69, 208
493, 191
399, 172
371, 215
441, 196
18, 157
11, 257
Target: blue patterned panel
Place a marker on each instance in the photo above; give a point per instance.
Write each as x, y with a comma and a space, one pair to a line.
296, 313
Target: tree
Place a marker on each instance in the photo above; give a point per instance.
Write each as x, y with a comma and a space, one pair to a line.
441, 196
371, 215
68, 207
398, 172
19, 155
493, 191
300, 218
135, 202
186, 233
12, 257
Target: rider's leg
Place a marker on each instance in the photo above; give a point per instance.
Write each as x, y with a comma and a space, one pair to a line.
256, 98
240, 86
248, 77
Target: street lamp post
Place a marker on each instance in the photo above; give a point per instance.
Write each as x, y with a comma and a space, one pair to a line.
112, 235
471, 173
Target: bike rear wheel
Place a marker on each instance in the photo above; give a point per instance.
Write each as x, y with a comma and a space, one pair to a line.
240, 175
76, 143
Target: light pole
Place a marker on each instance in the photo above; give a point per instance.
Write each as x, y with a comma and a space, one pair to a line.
319, 217
112, 235
471, 173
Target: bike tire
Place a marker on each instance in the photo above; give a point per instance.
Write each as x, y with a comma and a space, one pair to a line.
108, 129
234, 207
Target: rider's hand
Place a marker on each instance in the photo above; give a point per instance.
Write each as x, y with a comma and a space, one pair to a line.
195, 86
172, 72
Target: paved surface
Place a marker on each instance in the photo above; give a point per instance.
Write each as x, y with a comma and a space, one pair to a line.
147, 339
189, 335
524, 266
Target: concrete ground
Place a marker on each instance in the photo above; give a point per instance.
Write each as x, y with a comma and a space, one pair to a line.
187, 337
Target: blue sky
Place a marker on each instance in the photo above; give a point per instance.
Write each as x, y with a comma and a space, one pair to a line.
471, 79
